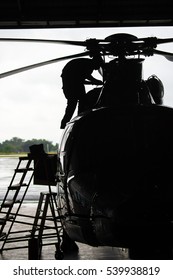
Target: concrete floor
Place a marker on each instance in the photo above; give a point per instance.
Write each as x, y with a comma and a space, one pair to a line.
85, 252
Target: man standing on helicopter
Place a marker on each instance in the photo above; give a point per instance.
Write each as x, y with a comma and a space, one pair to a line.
75, 75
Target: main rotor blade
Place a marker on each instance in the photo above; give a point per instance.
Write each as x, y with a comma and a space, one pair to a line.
32, 66
67, 42
164, 41
167, 55
158, 41
78, 43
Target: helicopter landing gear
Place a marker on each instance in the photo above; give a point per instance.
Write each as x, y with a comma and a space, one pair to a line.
68, 245
59, 255
34, 248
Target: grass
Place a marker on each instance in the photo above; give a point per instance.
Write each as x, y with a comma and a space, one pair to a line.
13, 155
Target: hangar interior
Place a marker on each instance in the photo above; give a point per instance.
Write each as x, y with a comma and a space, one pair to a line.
77, 13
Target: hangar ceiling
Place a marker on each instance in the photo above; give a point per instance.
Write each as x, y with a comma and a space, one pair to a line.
85, 13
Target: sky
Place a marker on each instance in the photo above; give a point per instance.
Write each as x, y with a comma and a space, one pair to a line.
32, 103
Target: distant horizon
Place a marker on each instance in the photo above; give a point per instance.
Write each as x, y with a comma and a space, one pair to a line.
17, 145
1, 141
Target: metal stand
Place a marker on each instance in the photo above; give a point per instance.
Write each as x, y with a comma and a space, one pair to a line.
39, 228
47, 201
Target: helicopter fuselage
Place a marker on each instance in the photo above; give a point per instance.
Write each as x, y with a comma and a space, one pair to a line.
116, 177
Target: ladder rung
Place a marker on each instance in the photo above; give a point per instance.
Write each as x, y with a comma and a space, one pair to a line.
8, 203
2, 221
2, 235
24, 158
22, 170
16, 186
5, 218
48, 194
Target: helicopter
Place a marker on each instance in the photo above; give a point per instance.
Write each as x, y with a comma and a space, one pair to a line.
114, 176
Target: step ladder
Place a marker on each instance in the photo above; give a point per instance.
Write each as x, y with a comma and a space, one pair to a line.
46, 213
28, 168
15, 195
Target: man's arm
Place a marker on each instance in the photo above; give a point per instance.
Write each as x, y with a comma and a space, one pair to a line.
92, 80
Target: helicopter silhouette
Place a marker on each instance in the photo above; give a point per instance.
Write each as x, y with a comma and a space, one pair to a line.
114, 162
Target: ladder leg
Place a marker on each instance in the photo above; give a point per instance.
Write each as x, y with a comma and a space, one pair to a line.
35, 242
53, 208
59, 255
43, 218
37, 215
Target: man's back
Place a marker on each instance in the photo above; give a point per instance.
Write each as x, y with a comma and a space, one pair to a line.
78, 68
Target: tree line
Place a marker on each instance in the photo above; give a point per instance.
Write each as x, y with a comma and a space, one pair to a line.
18, 145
